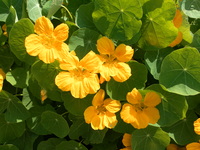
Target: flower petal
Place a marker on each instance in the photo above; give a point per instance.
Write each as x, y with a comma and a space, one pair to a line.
141, 120
64, 81
134, 97
97, 122
89, 113
48, 55
128, 113
91, 62
124, 53
197, 126
105, 46
193, 146
177, 40
70, 62
126, 140
33, 45
112, 106
110, 120
61, 32
153, 114
91, 82
78, 89
152, 99
43, 26
172, 147
2, 77
98, 98
123, 72
178, 18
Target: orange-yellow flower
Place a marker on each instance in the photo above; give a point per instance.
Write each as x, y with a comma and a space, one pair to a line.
2, 77
114, 60
5, 30
139, 112
175, 147
48, 43
197, 126
102, 113
81, 78
193, 146
126, 141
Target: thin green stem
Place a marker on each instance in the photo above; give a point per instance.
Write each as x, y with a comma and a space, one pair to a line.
70, 15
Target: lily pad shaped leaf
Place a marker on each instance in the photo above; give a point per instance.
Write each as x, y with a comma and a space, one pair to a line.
191, 8
180, 71
116, 19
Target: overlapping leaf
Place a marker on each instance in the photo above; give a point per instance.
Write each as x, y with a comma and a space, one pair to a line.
191, 8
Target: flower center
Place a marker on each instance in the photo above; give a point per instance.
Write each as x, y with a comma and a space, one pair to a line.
79, 73
139, 107
48, 41
101, 109
109, 58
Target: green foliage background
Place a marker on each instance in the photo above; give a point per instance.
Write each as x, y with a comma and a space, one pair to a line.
147, 26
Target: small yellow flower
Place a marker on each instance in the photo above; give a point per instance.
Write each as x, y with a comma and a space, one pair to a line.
139, 112
43, 94
81, 76
48, 43
197, 126
102, 113
114, 60
2, 77
5, 30
193, 146
175, 147
126, 141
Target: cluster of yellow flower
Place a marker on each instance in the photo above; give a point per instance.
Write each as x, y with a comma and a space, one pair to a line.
80, 77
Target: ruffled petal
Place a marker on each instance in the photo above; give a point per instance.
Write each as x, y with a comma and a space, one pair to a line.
153, 114
34, 45
91, 82
110, 120
2, 77
78, 89
124, 53
107, 70
126, 139
128, 113
98, 98
63, 52
64, 81
141, 120
123, 72
178, 18
112, 106
91, 62
105, 46
48, 55
152, 99
70, 62
134, 97
97, 122
89, 113
43, 26
193, 146
61, 32
197, 126
177, 40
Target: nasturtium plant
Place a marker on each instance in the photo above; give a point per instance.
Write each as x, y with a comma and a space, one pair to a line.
99, 74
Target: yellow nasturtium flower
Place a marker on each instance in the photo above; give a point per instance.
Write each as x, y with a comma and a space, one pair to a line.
114, 60
79, 77
193, 146
126, 141
139, 112
197, 126
102, 112
48, 43
2, 77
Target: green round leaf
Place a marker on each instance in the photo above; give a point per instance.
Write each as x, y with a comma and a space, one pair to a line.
182, 132
10, 131
83, 40
15, 110
151, 138
118, 20
55, 123
8, 147
180, 72
172, 108
76, 106
196, 40
34, 10
50, 144
191, 8
137, 80
70, 145
18, 33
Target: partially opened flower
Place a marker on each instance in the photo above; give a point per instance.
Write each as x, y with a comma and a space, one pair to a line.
81, 76
48, 43
114, 60
126, 141
139, 112
193, 146
4, 28
102, 112
197, 126
2, 77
